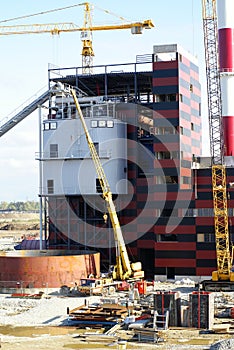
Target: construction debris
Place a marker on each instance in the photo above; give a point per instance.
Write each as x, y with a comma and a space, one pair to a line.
100, 315
227, 344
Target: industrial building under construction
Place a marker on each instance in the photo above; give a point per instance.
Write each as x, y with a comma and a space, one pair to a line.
145, 122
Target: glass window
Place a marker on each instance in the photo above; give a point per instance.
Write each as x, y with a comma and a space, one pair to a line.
50, 186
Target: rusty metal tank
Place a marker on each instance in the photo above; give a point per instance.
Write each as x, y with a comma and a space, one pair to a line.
46, 268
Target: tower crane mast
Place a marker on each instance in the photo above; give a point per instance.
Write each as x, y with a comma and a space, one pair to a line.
219, 187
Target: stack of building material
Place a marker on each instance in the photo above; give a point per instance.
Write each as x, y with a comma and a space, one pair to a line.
103, 315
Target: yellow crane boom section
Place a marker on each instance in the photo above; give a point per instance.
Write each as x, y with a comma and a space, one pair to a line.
57, 28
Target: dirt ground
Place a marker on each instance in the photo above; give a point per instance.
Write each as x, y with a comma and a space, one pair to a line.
40, 330
16, 226
28, 338
43, 324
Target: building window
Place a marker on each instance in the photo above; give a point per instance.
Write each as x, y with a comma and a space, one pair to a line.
50, 186
163, 155
53, 125
192, 126
96, 145
169, 212
191, 87
206, 237
94, 123
46, 126
98, 186
200, 237
101, 123
110, 123
186, 180
181, 130
167, 238
53, 150
165, 98
166, 130
181, 98
161, 180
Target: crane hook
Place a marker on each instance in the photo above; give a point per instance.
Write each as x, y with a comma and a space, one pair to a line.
105, 218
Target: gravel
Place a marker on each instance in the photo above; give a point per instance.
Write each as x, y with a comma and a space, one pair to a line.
38, 312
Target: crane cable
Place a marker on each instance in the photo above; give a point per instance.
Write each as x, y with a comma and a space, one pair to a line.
61, 9
41, 13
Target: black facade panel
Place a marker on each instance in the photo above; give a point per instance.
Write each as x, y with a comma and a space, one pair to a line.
175, 254
205, 195
206, 263
184, 221
168, 172
160, 271
165, 90
205, 229
185, 271
165, 73
206, 246
204, 187
167, 121
149, 236
161, 106
182, 237
204, 172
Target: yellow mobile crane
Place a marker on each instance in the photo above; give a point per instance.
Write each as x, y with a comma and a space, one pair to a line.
223, 278
86, 31
124, 269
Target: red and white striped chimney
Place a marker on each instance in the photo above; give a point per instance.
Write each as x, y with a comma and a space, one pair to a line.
225, 14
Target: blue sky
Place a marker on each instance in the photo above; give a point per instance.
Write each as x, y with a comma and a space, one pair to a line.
25, 59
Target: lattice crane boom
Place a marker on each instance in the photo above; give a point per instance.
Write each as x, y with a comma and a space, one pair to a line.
219, 187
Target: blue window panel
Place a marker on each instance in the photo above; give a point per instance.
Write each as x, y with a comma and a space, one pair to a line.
184, 68
194, 67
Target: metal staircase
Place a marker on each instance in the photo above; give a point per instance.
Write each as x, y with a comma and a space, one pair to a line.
7, 125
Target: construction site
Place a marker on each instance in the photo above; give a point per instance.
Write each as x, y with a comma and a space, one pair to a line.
136, 226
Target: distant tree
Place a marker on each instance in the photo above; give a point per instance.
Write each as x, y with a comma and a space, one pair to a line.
3, 205
20, 206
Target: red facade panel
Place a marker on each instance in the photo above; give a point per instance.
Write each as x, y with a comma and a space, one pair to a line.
165, 65
165, 81
175, 263
176, 246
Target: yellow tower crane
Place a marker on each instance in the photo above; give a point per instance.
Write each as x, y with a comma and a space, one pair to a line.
86, 31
